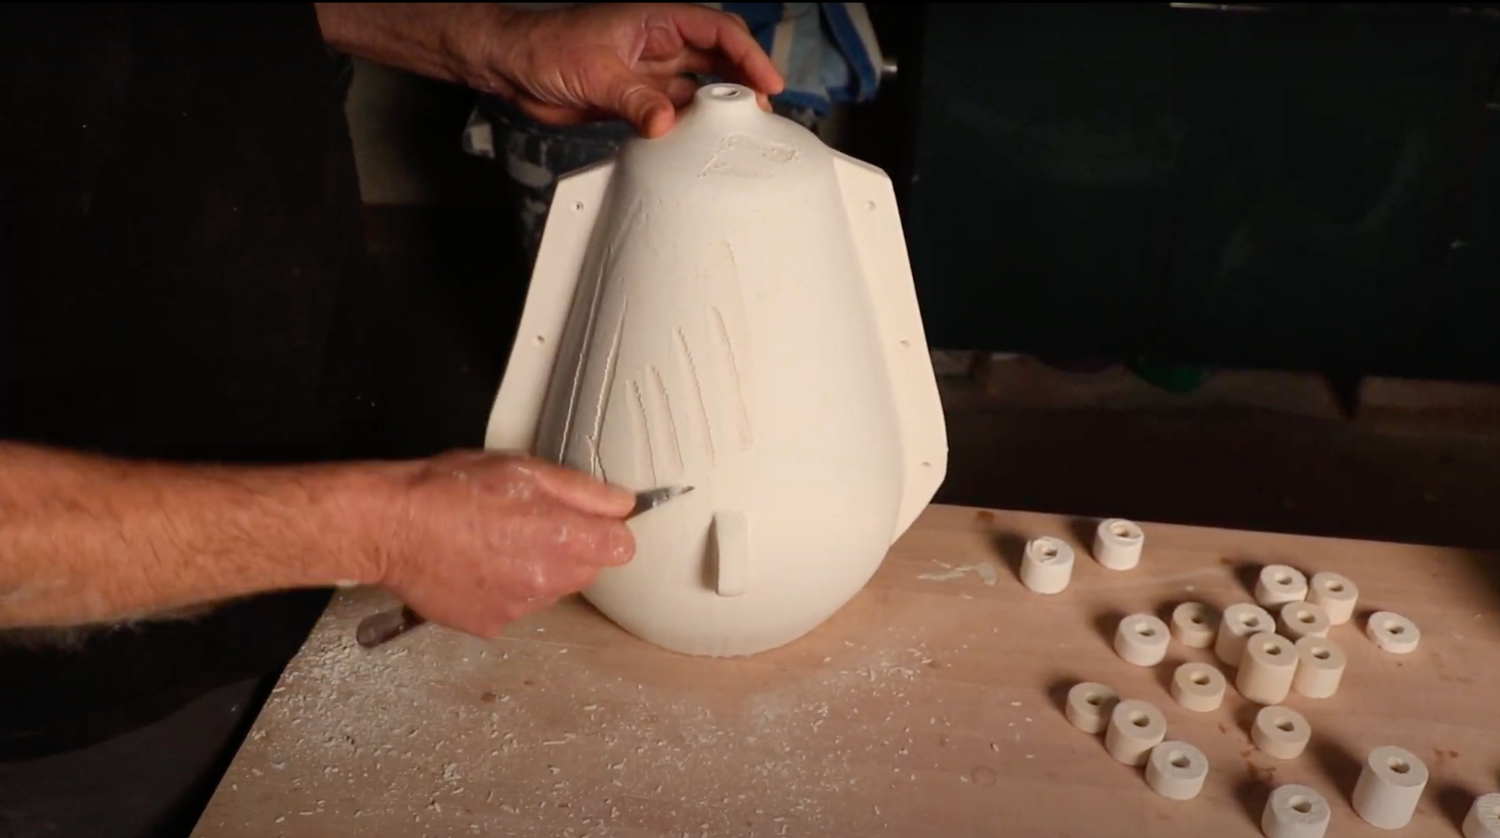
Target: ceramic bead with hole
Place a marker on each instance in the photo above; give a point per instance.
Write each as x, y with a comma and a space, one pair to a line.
1303, 619
1280, 732
1135, 727
1483, 820
1267, 668
1239, 622
1176, 770
1390, 786
1279, 584
1393, 632
1336, 594
1089, 705
1198, 687
1118, 543
1141, 639
1047, 565
1295, 811
1195, 625
1320, 667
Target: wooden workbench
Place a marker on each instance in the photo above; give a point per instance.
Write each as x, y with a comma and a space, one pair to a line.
928, 706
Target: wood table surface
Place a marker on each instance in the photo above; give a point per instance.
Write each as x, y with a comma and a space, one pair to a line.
927, 706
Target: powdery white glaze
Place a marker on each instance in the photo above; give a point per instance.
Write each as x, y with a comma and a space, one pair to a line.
731, 307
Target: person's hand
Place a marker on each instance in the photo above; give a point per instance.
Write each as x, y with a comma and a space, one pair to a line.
600, 61
475, 540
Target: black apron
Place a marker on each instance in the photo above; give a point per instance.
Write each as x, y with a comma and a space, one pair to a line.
180, 278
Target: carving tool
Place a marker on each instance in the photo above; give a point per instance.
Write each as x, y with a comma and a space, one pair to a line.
389, 625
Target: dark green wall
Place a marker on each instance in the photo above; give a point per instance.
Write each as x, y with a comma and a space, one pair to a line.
1305, 187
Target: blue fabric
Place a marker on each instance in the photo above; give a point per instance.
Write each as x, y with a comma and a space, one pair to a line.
823, 55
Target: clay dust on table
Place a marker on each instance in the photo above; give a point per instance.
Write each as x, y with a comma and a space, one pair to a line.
525, 736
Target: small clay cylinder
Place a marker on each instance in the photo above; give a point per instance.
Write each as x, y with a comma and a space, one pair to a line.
1135, 727
1295, 811
1303, 619
1089, 705
1389, 787
1195, 625
1267, 668
1281, 732
1483, 820
1320, 667
1239, 622
1118, 543
1336, 594
1176, 770
1047, 566
1141, 639
1198, 686
1279, 584
1393, 632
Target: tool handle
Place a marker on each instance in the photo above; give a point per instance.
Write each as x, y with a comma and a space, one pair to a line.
386, 626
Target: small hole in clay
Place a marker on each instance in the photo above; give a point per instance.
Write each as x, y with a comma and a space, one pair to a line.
870, 205
578, 206
1178, 760
1398, 765
1283, 579
1301, 804
1048, 551
1321, 654
1336, 587
1285, 725
1200, 679
1396, 629
1271, 648
1095, 699
905, 344
926, 464
1122, 530
1249, 621
539, 340
724, 91
1145, 631
1305, 617
1139, 719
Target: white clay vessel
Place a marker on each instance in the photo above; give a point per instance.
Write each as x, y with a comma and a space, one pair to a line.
1047, 565
731, 307
1390, 787
1295, 811
1483, 820
1118, 543
1176, 770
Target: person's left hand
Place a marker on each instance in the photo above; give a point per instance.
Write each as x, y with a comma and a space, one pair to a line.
600, 61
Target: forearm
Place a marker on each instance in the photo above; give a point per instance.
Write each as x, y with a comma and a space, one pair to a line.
87, 539
412, 36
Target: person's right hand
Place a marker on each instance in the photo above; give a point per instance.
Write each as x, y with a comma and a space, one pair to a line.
479, 539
